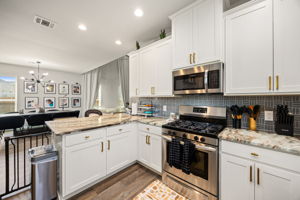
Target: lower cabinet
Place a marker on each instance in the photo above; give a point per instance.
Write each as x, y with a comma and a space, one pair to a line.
150, 150
84, 164
118, 155
256, 177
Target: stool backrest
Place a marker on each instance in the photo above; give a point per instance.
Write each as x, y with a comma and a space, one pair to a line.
38, 119
11, 122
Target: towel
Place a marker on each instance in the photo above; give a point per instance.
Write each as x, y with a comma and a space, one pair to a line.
175, 153
187, 156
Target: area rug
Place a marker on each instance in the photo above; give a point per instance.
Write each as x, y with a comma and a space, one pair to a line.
158, 191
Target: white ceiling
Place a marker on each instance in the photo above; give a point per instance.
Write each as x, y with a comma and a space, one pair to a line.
65, 47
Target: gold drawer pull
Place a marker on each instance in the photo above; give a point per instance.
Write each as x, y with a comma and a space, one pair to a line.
190, 58
270, 82
108, 144
254, 154
277, 82
258, 176
87, 137
146, 139
102, 147
147, 129
149, 140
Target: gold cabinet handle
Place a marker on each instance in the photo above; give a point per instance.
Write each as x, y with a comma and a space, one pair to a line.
190, 58
270, 82
87, 137
149, 140
194, 58
108, 144
254, 154
102, 147
258, 176
146, 139
277, 82
251, 173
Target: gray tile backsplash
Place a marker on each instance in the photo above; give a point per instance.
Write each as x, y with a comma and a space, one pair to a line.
266, 103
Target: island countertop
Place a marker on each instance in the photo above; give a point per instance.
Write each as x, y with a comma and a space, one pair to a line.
66, 126
271, 141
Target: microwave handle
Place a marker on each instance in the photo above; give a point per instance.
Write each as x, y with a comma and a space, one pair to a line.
206, 80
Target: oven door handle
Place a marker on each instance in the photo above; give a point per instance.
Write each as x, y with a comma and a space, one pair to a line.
198, 147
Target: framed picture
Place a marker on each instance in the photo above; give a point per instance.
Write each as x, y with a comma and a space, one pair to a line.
76, 89
76, 102
30, 87
49, 102
50, 88
63, 102
63, 88
31, 102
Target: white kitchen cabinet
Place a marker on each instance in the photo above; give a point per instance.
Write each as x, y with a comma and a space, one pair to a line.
287, 46
197, 33
250, 173
84, 164
236, 173
249, 50
134, 75
144, 148
156, 152
154, 70
118, 155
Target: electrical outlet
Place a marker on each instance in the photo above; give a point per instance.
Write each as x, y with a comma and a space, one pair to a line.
165, 108
269, 116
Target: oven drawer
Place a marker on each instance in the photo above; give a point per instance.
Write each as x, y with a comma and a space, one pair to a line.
150, 129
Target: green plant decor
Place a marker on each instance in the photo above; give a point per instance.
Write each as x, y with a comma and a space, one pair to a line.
162, 34
137, 45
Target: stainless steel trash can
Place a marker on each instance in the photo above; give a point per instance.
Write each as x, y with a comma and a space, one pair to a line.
43, 173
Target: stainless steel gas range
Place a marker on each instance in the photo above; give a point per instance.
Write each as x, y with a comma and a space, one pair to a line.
198, 126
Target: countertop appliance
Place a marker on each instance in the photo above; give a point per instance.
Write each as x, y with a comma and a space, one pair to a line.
201, 126
199, 79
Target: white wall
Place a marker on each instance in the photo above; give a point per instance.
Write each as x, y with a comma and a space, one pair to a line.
57, 76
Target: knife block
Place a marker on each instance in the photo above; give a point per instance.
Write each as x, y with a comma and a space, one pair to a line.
285, 128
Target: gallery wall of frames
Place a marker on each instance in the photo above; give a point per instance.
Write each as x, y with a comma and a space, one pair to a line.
65, 93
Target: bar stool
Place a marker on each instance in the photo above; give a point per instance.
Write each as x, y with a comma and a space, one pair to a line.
37, 124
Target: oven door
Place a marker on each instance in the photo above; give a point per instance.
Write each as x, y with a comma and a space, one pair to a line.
204, 166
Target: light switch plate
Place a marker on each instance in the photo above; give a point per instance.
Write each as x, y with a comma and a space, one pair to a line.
269, 116
165, 108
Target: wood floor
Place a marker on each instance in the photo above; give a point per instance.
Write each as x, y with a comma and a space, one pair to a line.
123, 186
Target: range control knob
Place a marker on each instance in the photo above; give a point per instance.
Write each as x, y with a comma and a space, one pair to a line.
196, 138
184, 136
202, 139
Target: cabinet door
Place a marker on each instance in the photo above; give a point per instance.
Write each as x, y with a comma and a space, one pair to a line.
133, 75
287, 45
147, 71
117, 152
84, 164
249, 50
182, 30
156, 152
276, 184
206, 31
237, 178
144, 148
163, 81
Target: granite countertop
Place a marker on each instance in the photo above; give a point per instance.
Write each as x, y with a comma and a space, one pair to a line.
271, 141
65, 126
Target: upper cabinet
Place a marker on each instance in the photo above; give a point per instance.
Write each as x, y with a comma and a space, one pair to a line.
196, 32
287, 46
249, 50
151, 70
262, 48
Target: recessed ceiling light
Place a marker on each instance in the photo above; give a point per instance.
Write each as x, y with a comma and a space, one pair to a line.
139, 12
82, 27
118, 42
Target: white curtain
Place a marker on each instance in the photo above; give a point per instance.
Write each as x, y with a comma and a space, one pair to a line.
91, 88
123, 68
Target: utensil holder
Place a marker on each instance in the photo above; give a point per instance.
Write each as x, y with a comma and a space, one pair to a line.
252, 124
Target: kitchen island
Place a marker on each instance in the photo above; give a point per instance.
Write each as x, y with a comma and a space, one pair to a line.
94, 148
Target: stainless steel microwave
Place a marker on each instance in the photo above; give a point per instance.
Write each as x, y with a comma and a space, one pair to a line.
199, 79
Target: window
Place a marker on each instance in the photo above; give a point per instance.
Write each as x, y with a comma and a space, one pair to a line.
110, 94
7, 94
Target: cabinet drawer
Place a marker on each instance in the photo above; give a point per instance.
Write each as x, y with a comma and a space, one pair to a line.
271, 157
115, 130
85, 136
150, 129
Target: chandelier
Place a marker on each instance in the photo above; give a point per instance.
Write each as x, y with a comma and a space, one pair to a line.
38, 78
